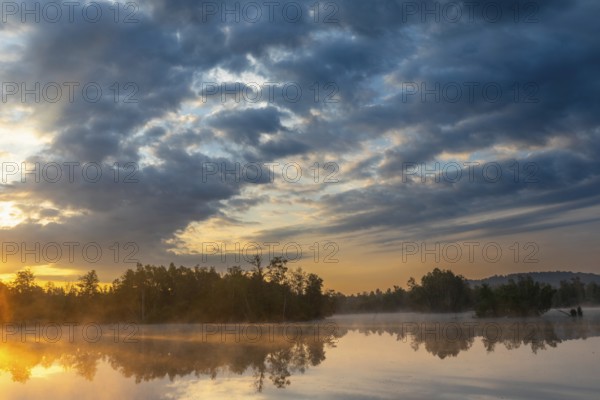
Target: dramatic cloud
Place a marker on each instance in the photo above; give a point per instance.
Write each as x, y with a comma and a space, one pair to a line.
189, 98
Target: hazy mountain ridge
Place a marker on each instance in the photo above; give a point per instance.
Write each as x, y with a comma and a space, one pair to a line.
552, 278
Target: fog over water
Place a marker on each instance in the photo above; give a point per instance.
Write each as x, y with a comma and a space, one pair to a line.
406, 355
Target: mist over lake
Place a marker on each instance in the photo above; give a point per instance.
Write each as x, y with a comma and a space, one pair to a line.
378, 356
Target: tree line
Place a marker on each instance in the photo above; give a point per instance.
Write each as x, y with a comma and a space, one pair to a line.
443, 291
156, 294
273, 293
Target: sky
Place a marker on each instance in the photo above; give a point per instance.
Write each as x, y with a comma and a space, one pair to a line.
366, 141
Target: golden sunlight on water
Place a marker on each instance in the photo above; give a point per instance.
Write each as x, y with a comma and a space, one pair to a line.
368, 356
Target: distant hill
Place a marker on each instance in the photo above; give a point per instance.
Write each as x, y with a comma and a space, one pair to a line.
551, 278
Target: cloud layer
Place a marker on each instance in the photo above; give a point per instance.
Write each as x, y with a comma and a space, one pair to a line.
384, 90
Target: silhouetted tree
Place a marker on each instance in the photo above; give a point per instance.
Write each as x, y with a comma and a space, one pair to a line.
440, 291
522, 298
89, 284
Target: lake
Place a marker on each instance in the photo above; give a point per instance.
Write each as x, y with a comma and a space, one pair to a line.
370, 356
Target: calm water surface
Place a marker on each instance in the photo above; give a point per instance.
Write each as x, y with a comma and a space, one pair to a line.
384, 356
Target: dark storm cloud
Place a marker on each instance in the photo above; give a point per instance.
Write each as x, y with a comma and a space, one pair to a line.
561, 96
545, 188
371, 58
246, 126
283, 147
559, 181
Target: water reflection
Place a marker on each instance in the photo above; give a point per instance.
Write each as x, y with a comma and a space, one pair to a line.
156, 352
449, 338
270, 354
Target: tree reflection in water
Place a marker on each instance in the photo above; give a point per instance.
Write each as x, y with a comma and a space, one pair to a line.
173, 351
176, 351
449, 338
